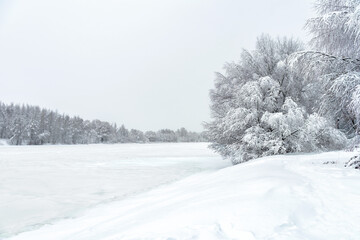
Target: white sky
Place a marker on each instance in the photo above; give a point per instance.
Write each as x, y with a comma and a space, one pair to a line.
146, 63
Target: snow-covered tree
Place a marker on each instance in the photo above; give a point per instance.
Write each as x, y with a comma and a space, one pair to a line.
335, 63
137, 136
320, 134
336, 29
123, 134
151, 136
166, 135
260, 106
32, 125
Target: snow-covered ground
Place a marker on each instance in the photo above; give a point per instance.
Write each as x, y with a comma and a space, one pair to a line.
3, 142
280, 197
42, 184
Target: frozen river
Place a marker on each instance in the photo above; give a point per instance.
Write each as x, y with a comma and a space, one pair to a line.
42, 184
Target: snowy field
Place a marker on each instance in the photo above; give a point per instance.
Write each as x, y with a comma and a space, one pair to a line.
280, 197
43, 184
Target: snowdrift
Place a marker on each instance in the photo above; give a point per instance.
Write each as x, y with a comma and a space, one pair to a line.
42, 184
280, 197
4, 142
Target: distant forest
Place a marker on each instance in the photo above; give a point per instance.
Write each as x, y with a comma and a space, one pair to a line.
32, 125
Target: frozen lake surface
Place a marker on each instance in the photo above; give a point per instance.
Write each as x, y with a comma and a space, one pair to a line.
43, 184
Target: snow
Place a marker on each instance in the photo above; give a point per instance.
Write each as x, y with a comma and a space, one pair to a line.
42, 184
3, 142
278, 197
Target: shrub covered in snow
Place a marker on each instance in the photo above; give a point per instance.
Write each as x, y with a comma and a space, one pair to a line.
259, 107
354, 162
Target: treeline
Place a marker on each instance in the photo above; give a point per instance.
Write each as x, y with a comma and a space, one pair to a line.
32, 125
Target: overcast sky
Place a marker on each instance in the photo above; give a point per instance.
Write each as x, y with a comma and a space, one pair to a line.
146, 63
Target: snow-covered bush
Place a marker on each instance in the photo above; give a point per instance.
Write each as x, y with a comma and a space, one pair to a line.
258, 107
354, 162
318, 134
355, 106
